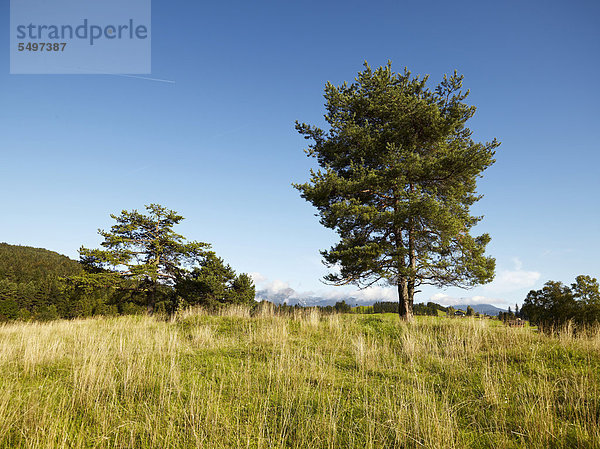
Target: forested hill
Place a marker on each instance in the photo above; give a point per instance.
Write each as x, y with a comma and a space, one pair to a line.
30, 283
22, 264
37, 284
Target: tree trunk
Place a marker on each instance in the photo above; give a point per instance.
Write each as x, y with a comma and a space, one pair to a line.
404, 301
408, 282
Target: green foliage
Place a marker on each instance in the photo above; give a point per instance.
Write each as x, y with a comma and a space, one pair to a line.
214, 283
242, 290
387, 307
507, 316
429, 309
9, 309
363, 309
555, 304
342, 307
398, 176
47, 313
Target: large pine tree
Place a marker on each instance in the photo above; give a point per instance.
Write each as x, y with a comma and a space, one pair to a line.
398, 177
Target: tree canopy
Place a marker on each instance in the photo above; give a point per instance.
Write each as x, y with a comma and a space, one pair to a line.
556, 304
214, 282
397, 179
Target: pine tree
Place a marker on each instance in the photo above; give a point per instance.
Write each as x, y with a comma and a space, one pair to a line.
398, 176
144, 249
215, 283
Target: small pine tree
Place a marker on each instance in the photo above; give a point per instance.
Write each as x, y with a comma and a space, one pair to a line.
143, 249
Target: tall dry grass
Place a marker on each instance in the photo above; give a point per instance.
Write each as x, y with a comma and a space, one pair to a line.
304, 380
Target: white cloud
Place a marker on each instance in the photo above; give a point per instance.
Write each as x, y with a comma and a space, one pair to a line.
507, 281
279, 291
447, 300
377, 294
278, 286
257, 277
439, 297
367, 295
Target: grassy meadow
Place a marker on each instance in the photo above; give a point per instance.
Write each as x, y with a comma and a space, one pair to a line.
305, 381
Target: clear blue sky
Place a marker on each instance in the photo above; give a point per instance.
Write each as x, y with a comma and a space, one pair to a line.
219, 145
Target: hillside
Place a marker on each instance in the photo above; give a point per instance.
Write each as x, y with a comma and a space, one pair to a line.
23, 264
296, 381
30, 280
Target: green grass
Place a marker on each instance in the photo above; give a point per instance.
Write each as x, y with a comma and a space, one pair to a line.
306, 381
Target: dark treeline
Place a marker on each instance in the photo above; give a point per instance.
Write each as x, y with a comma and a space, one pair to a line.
510, 315
289, 309
556, 304
38, 284
430, 308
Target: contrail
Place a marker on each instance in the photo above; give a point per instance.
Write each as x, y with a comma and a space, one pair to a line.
85, 71
143, 78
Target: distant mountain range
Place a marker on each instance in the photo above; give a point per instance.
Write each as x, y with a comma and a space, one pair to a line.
486, 309
291, 297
